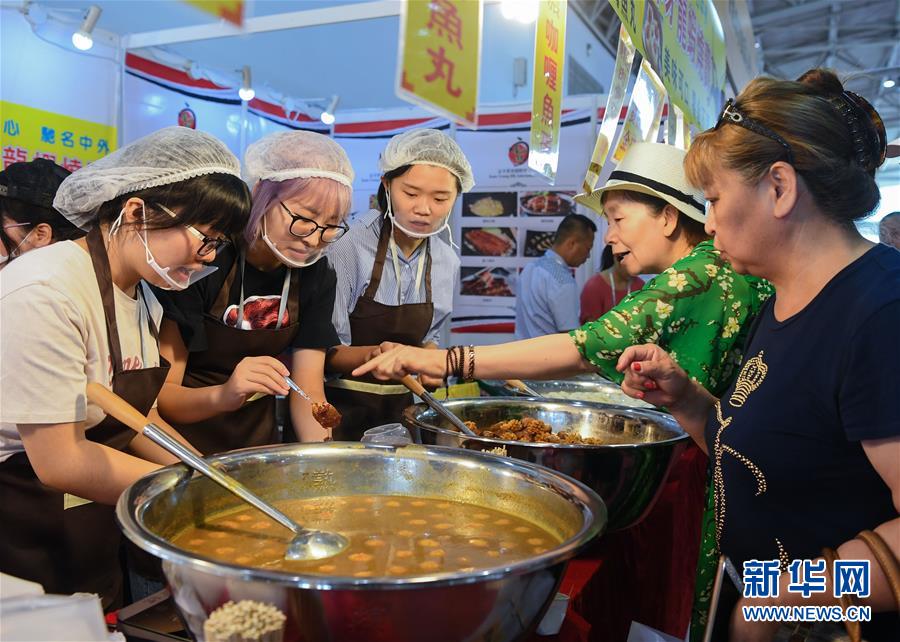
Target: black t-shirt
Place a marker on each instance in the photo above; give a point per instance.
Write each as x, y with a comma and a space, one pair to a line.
262, 297
790, 473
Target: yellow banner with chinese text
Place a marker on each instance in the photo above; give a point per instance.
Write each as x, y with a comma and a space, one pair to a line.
230, 10
546, 100
30, 133
440, 57
684, 43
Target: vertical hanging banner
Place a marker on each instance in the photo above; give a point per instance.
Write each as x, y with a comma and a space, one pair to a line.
644, 112
614, 101
30, 133
230, 10
684, 43
546, 102
440, 57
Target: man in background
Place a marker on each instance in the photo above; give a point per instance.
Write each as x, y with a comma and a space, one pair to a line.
547, 296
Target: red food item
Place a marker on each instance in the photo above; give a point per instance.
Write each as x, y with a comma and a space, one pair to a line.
259, 313
487, 243
326, 414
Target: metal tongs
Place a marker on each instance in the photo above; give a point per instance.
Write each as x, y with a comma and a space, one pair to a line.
419, 390
521, 386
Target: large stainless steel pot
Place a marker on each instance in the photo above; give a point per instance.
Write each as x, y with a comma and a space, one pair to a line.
590, 388
628, 473
499, 603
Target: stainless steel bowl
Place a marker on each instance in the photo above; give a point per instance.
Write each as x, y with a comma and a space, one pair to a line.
590, 388
628, 473
499, 603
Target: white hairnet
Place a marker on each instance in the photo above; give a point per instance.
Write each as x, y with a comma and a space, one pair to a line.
297, 154
427, 147
166, 156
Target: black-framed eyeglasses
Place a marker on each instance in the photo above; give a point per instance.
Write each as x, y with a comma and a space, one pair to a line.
732, 115
208, 244
303, 227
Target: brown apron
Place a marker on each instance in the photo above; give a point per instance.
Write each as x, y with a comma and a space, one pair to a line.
368, 402
76, 549
254, 423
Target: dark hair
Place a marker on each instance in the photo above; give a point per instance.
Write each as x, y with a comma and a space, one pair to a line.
607, 260
221, 201
31, 187
692, 229
832, 153
572, 225
391, 175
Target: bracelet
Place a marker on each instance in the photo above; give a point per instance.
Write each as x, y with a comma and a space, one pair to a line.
460, 362
854, 629
470, 376
886, 559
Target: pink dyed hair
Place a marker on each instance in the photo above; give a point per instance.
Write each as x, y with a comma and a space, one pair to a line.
321, 194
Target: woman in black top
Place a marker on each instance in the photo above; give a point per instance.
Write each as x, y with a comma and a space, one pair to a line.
271, 295
805, 445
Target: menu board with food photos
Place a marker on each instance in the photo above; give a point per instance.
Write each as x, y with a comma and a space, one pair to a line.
500, 232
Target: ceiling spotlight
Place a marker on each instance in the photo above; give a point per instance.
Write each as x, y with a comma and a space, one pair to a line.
246, 91
889, 83
82, 38
328, 113
524, 11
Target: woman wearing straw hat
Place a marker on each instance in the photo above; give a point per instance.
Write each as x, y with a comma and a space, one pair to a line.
396, 277
272, 295
75, 312
697, 307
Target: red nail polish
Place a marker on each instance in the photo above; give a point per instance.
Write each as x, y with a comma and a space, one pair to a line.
637, 366
640, 395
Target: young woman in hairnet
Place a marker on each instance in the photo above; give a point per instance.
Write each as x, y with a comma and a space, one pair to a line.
75, 312
272, 294
395, 277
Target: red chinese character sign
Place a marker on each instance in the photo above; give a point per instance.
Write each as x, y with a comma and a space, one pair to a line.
546, 103
30, 133
440, 57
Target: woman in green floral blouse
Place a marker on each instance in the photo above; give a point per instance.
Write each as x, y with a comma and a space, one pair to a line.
697, 308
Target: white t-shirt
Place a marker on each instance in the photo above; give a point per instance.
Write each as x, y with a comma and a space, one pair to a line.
53, 339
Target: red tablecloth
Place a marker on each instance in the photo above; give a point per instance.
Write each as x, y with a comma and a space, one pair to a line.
645, 573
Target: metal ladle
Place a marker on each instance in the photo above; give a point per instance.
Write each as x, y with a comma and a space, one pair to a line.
419, 390
306, 545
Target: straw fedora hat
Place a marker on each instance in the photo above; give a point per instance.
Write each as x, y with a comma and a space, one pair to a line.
655, 169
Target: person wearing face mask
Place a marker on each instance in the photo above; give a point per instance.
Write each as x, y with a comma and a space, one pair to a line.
547, 296
396, 277
26, 208
273, 294
77, 312
604, 290
698, 308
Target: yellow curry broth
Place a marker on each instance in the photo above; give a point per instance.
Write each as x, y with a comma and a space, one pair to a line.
390, 536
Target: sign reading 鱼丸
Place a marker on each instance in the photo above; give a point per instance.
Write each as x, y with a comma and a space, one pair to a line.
440, 57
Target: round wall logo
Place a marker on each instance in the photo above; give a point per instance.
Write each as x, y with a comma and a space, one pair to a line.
518, 153
187, 118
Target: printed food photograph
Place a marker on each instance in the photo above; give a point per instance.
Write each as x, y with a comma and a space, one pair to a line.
488, 241
538, 241
547, 203
487, 281
488, 204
